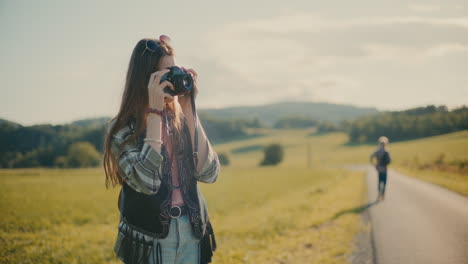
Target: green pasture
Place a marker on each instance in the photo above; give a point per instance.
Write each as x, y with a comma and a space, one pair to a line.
304, 210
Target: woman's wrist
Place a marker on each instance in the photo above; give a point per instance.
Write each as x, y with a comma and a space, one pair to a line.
154, 131
155, 118
155, 110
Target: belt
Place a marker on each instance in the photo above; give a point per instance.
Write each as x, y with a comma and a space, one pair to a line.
177, 211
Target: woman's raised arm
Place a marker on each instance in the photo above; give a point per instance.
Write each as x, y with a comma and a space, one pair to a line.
141, 168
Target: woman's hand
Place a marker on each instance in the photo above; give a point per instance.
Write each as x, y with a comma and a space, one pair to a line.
156, 94
185, 101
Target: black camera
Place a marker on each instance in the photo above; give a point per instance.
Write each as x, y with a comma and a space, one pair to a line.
182, 81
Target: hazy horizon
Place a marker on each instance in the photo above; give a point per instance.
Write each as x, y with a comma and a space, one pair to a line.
65, 61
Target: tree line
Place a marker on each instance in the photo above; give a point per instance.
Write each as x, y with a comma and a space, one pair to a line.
408, 124
81, 144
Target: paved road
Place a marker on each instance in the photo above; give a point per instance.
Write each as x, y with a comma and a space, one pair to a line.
418, 222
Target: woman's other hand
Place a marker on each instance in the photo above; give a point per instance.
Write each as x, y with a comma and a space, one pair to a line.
157, 97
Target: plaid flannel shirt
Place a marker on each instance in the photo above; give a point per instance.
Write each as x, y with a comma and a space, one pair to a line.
142, 168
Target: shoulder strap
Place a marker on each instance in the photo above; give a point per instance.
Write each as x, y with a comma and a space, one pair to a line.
119, 203
195, 119
120, 200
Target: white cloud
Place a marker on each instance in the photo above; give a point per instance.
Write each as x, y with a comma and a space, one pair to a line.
418, 7
312, 23
299, 43
446, 49
302, 55
379, 51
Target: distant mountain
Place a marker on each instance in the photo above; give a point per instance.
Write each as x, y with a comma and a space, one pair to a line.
8, 124
270, 113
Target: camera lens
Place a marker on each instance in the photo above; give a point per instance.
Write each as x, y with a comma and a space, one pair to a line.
188, 83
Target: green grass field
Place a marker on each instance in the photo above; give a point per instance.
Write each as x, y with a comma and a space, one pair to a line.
289, 213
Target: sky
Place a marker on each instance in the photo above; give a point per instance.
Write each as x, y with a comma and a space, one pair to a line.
62, 61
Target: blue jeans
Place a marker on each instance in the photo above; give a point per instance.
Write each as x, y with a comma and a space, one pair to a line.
382, 182
180, 246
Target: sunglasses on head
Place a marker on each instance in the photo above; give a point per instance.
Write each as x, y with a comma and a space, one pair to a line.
152, 45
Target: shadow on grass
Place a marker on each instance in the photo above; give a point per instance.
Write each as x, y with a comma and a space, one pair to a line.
355, 210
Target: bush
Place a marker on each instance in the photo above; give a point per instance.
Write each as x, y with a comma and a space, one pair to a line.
273, 154
61, 162
327, 127
81, 154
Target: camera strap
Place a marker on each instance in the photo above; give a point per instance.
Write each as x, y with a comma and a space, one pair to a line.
195, 121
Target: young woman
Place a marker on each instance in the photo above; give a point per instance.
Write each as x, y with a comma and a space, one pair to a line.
149, 151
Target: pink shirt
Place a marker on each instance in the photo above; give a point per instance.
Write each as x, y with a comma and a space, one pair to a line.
176, 194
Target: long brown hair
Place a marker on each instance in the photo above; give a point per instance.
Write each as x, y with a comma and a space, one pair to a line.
135, 100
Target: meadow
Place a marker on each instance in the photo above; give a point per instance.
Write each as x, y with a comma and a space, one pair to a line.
300, 211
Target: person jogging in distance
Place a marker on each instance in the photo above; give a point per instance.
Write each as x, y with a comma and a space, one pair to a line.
383, 159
